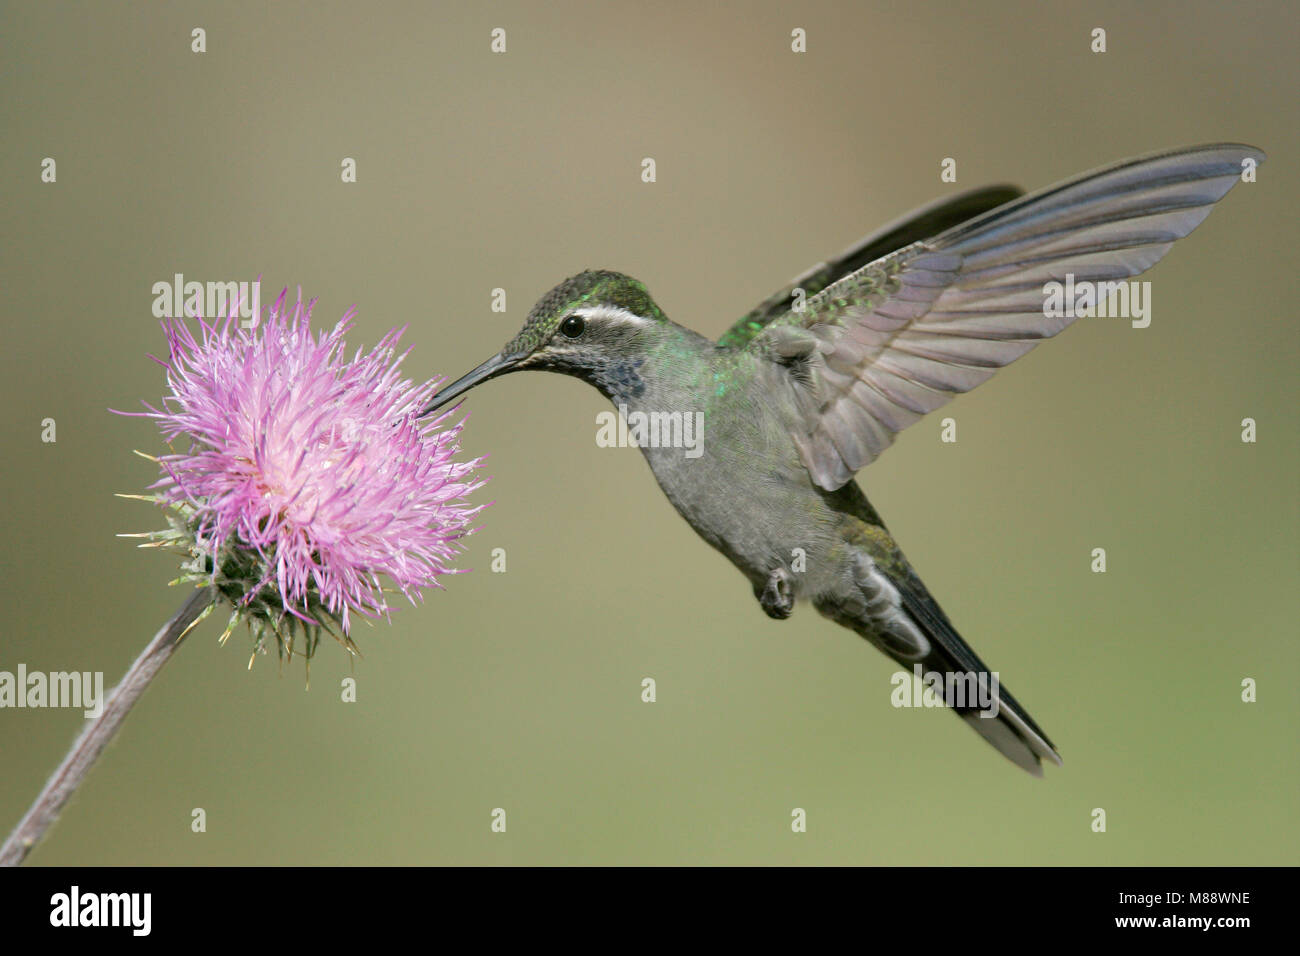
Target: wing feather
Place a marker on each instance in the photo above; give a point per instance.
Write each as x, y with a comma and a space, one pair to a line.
878, 347
921, 224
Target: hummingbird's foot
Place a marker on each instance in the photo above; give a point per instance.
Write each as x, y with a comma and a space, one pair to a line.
777, 598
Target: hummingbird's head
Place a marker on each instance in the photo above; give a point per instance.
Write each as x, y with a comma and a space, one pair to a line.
596, 326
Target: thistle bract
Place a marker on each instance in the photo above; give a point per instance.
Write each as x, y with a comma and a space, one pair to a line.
309, 490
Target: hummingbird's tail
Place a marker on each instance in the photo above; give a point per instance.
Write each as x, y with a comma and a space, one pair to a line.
898, 615
1012, 731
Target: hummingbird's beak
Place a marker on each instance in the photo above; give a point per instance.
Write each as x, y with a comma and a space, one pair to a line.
497, 365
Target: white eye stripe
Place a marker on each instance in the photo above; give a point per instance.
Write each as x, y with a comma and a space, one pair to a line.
611, 312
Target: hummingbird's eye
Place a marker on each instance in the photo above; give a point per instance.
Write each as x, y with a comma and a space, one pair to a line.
573, 326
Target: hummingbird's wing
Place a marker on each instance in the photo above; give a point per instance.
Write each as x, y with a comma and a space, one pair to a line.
876, 350
919, 224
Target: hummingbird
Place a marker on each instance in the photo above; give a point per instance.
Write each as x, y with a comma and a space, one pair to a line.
814, 383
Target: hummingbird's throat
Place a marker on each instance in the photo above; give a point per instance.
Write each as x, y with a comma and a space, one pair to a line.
619, 380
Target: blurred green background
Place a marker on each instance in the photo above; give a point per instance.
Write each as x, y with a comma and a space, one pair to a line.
521, 690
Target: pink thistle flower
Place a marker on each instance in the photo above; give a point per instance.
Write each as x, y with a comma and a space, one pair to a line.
309, 478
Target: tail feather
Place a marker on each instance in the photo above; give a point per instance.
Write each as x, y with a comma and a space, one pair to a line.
1013, 732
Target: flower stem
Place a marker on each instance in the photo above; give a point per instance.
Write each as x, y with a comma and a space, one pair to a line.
100, 730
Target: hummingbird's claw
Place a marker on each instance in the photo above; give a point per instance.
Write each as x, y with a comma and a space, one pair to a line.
777, 598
